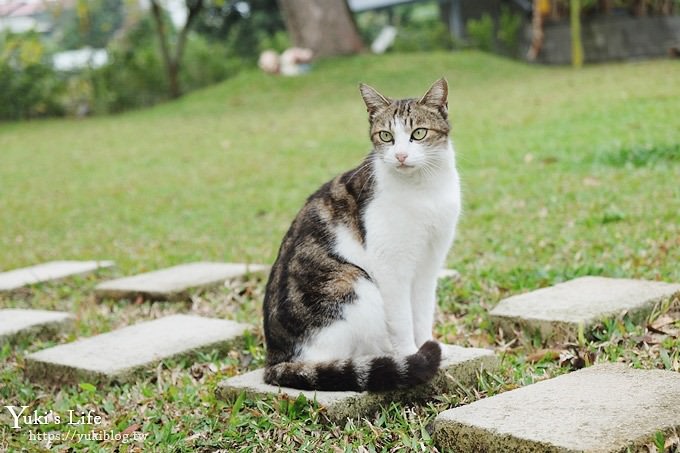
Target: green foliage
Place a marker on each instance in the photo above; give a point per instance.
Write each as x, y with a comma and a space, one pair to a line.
426, 35
91, 23
135, 75
246, 34
369, 24
481, 32
30, 88
660, 441
509, 26
419, 27
206, 63
279, 41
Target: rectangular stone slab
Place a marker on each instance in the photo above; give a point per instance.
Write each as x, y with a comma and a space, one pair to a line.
604, 408
53, 270
18, 322
558, 310
175, 283
121, 355
459, 367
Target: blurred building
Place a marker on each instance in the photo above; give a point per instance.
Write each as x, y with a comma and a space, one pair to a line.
20, 16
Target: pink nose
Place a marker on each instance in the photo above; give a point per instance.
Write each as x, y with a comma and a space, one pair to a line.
401, 157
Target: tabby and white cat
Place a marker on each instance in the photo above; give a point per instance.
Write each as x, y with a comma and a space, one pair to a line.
350, 300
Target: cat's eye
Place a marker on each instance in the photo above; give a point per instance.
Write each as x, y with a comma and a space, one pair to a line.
385, 136
419, 133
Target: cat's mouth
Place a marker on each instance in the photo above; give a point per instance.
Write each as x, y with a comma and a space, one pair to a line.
405, 168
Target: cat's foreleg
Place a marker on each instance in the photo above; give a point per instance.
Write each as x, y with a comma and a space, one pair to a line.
397, 297
423, 305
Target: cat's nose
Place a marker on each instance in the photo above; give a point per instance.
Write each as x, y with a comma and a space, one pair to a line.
401, 157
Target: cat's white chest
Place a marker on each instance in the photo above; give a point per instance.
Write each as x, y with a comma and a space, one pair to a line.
407, 227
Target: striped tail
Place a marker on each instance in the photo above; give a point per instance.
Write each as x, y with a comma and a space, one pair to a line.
374, 374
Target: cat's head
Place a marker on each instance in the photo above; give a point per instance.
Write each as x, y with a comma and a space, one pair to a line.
409, 134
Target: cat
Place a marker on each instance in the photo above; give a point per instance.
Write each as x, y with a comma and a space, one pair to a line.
350, 300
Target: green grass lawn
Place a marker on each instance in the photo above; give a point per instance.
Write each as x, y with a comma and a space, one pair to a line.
565, 173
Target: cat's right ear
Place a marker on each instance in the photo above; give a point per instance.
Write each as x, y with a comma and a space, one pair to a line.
373, 100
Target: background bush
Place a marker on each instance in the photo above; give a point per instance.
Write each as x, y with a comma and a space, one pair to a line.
30, 87
419, 27
223, 41
135, 76
481, 32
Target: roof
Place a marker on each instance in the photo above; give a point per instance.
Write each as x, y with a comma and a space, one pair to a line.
21, 8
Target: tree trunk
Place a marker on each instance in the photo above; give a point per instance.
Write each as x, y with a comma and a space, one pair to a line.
174, 88
172, 62
326, 27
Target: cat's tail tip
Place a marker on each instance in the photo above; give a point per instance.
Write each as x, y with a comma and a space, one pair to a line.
431, 350
424, 364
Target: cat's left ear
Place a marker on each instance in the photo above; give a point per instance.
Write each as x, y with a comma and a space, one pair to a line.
437, 95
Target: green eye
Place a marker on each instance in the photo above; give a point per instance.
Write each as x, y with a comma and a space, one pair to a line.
419, 133
385, 136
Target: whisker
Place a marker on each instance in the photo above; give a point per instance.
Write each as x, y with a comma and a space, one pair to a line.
358, 170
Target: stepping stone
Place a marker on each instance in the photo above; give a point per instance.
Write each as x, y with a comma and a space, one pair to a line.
558, 310
459, 368
449, 273
53, 270
604, 408
15, 323
124, 354
175, 283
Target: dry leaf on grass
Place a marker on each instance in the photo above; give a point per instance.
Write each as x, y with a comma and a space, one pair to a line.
131, 429
550, 355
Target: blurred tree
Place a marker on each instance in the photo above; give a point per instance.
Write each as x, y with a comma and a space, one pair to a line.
91, 23
30, 87
326, 27
173, 60
248, 27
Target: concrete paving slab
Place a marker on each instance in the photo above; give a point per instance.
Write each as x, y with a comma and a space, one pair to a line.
604, 408
17, 322
459, 368
175, 283
53, 270
124, 354
558, 310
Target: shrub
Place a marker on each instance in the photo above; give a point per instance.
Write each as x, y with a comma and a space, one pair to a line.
30, 88
481, 32
508, 30
135, 76
419, 27
206, 63
423, 36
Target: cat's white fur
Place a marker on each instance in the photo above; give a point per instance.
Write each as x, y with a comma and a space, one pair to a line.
410, 225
